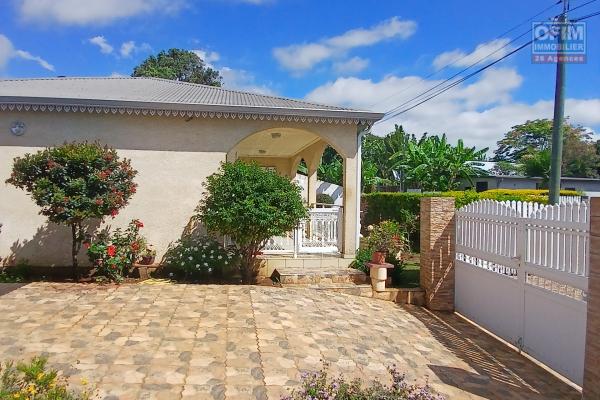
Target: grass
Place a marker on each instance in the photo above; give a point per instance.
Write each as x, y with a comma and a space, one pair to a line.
410, 275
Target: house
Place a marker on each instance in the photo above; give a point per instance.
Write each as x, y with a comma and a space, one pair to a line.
589, 186
176, 134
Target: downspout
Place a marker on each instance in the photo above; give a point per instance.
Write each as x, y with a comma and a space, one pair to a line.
362, 129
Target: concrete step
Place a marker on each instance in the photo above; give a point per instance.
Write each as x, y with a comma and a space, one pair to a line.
317, 275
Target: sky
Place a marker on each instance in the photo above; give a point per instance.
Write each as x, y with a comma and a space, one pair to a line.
369, 54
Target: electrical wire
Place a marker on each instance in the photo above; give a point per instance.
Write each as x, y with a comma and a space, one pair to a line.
500, 36
398, 111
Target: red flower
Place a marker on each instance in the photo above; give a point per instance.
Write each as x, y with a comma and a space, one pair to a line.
114, 212
99, 201
111, 250
135, 246
86, 245
138, 223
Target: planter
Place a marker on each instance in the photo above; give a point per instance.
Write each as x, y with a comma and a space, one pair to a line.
378, 257
147, 260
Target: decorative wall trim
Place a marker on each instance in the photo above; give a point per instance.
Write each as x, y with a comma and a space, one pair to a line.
181, 113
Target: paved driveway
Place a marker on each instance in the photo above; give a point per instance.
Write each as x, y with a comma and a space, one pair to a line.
237, 342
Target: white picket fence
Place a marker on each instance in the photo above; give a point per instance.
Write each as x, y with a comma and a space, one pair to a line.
519, 263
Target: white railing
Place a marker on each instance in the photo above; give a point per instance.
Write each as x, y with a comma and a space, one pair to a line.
547, 241
321, 232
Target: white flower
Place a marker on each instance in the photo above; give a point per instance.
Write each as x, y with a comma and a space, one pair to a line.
197, 265
190, 258
182, 263
206, 264
220, 257
210, 270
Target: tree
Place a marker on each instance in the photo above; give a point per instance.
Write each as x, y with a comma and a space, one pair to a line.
75, 182
537, 164
179, 65
432, 164
580, 157
250, 205
504, 168
378, 150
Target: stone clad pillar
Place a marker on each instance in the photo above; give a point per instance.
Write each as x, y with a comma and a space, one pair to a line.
591, 372
437, 252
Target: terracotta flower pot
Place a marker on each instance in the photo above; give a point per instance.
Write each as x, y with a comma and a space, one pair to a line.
378, 257
147, 260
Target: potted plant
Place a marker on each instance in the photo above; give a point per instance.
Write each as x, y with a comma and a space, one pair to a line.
385, 237
148, 256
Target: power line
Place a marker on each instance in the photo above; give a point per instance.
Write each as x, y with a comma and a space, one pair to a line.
586, 16
582, 5
397, 111
456, 74
450, 86
500, 36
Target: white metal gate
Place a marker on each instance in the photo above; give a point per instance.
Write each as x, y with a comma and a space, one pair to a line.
522, 273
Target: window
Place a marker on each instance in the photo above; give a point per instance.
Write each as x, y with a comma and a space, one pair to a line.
481, 186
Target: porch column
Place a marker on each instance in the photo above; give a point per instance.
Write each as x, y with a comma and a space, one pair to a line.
312, 185
351, 193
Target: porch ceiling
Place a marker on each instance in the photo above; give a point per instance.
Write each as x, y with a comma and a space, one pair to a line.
275, 143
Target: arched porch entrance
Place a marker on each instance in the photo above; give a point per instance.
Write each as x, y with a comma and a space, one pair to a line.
328, 230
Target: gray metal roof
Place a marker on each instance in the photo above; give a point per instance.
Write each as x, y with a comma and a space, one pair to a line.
163, 94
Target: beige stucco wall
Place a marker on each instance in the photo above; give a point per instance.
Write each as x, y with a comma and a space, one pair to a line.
173, 157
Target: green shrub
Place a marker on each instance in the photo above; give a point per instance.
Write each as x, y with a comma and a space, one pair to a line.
324, 198
202, 257
404, 208
33, 381
14, 274
362, 257
250, 205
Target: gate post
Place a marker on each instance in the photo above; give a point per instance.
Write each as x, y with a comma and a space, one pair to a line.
591, 373
437, 252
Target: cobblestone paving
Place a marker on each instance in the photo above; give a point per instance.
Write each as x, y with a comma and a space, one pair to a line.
236, 342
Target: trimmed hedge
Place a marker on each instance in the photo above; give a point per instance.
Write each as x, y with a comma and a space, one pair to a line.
405, 207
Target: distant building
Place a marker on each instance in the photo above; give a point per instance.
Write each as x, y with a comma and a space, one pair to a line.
590, 186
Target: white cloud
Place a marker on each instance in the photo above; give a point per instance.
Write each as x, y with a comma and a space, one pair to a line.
479, 112
129, 47
351, 66
74, 12
8, 52
209, 57
240, 79
299, 58
102, 43
459, 58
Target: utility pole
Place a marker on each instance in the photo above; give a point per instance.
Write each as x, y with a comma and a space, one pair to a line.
559, 109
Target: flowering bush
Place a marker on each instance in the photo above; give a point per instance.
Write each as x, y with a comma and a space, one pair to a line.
113, 254
318, 386
387, 237
75, 182
202, 256
32, 381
